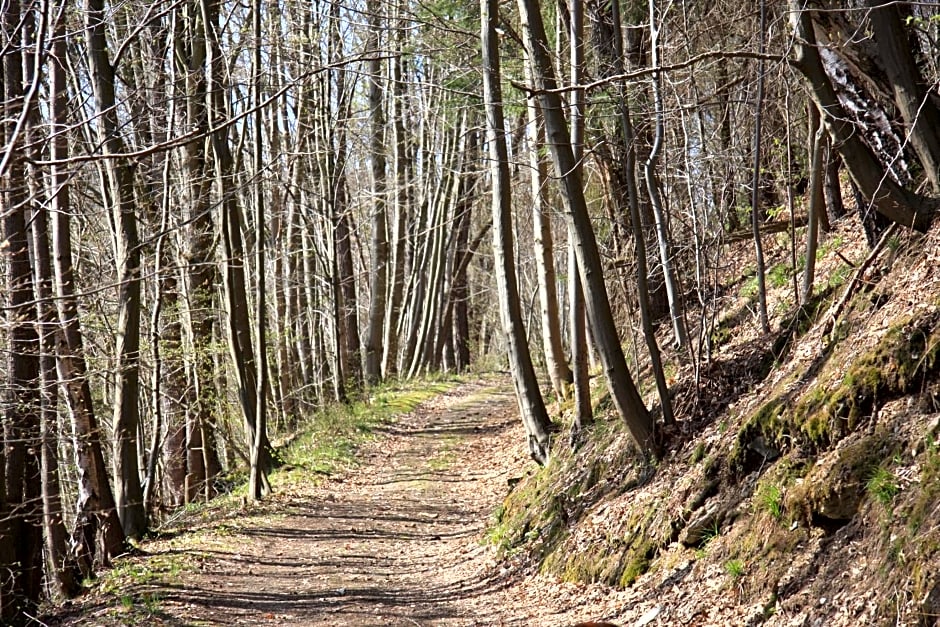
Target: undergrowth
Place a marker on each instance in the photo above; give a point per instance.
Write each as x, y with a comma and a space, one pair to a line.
328, 440
811, 456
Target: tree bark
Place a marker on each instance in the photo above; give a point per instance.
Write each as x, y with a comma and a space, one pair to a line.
639, 239
919, 111
380, 246
403, 169
623, 390
65, 576
200, 263
558, 371
234, 256
531, 406
97, 534
756, 180
129, 496
817, 202
21, 568
888, 197
258, 485
656, 203
580, 374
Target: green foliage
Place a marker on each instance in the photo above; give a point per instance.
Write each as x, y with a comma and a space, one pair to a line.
330, 437
839, 276
898, 363
929, 483
828, 245
770, 499
710, 534
922, 22
775, 212
750, 288
780, 275
128, 584
883, 486
735, 568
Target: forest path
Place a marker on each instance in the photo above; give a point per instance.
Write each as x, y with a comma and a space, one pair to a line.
395, 541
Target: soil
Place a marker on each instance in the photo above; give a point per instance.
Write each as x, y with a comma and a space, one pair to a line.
399, 540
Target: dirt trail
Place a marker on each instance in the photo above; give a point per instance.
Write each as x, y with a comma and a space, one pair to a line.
397, 541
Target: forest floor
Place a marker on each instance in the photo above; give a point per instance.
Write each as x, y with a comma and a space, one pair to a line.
397, 540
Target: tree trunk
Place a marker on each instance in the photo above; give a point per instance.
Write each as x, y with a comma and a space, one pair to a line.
558, 371
65, 577
919, 111
623, 390
258, 485
633, 202
97, 534
234, 257
756, 179
887, 196
403, 168
817, 202
653, 187
580, 374
21, 569
380, 249
200, 246
532, 407
129, 496
460, 288
835, 205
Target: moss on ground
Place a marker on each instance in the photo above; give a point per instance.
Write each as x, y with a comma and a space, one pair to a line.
904, 357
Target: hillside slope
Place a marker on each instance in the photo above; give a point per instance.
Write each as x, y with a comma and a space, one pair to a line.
801, 485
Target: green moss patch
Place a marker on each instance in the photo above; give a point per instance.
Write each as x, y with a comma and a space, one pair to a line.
902, 360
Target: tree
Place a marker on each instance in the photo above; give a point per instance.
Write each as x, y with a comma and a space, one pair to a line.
233, 250
756, 180
887, 196
97, 534
584, 412
558, 371
655, 196
531, 406
258, 485
636, 221
623, 389
20, 503
919, 111
380, 247
129, 495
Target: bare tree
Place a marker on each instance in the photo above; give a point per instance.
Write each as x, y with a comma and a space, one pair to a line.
129, 496
623, 389
258, 484
380, 246
21, 543
531, 406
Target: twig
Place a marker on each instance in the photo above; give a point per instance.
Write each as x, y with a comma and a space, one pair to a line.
852, 287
